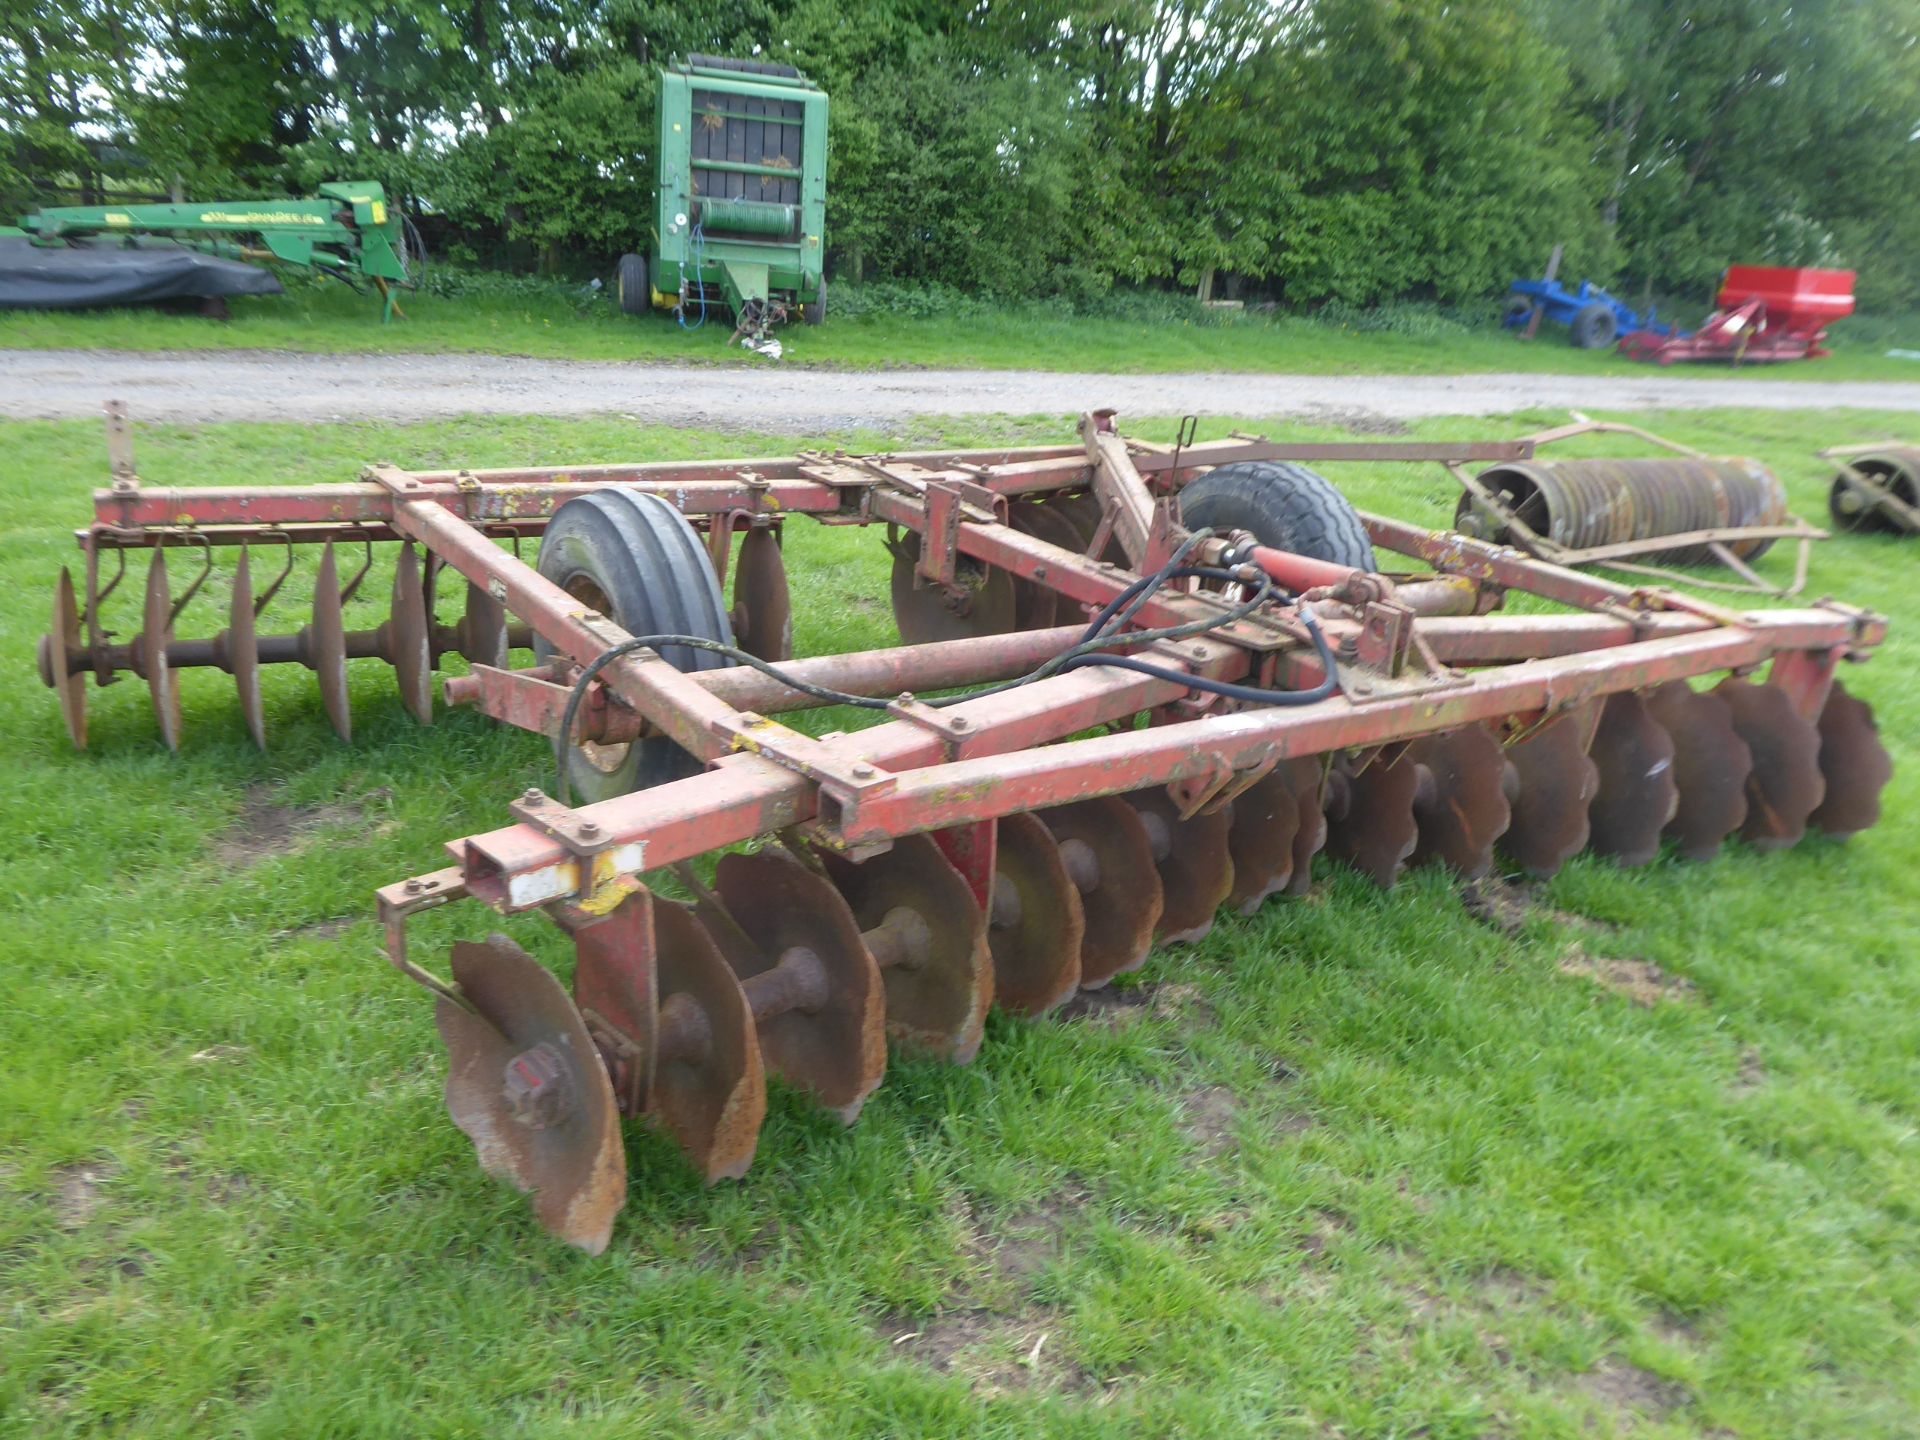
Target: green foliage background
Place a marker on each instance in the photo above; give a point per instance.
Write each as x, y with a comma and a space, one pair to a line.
1305, 151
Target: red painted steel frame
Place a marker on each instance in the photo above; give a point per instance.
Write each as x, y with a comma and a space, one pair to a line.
950, 770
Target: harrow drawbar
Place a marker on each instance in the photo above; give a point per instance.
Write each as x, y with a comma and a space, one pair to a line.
1164, 681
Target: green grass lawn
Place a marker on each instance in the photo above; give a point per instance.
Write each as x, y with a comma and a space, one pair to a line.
554, 322
1363, 1165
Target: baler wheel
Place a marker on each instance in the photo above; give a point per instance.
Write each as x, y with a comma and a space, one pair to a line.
631, 290
636, 560
814, 311
527, 1084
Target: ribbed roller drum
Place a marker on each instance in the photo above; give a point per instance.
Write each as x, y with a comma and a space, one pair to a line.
1581, 504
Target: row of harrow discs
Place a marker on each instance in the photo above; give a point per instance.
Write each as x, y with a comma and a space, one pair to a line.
1019, 839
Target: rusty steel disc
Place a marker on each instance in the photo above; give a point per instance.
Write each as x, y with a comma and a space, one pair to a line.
1266, 820
527, 1085
482, 632
1196, 870
709, 1088
1035, 922
1463, 808
1109, 857
1637, 794
1038, 606
1785, 785
926, 932
1855, 764
985, 603
408, 646
1554, 784
1710, 767
57, 649
156, 633
325, 644
833, 1045
762, 604
1375, 830
241, 651
1083, 512
1308, 777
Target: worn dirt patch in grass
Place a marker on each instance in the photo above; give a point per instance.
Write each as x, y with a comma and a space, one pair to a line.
1620, 1385
267, 827
1029, 1241
1507, 905
1641, 981
77, 1192
1210, 1116
1114, 1007
996, 1353
1752, 1073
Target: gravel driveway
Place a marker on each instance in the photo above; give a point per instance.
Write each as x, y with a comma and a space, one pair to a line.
271, 385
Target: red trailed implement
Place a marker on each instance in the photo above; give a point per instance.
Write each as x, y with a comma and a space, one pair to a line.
1315, 678
1767, 313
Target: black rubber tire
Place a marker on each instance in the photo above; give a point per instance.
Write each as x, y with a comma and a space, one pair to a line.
630, 285
1285, 506
635, 558
1516, 311
814, 312
1595, 327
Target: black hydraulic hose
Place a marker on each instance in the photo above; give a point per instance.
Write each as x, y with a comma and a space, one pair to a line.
1089, 650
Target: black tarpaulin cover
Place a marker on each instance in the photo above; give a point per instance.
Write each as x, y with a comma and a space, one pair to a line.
72, 277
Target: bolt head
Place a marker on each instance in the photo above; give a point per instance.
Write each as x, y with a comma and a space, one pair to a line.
413, 887
863, 772
531, 796
960, 722
589, 828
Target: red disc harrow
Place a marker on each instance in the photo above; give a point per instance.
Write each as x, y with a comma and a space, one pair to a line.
1151, 706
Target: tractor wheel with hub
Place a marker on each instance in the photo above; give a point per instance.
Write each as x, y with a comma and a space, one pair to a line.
635, 559
630, 285
1596, 327
1285, 506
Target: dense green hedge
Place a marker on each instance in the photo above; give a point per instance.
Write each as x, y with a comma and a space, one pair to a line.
1310, 152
